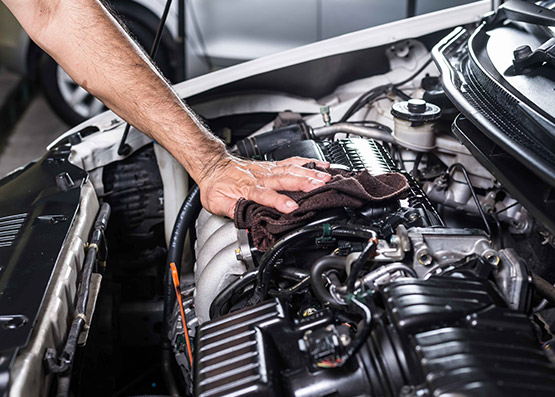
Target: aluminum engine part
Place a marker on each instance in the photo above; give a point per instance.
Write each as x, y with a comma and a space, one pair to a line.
513, 279
459, 197
437, 247
217, 264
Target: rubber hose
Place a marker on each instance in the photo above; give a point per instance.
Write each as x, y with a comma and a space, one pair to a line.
319, 267
225, 295
271, 256
544, 288
188, 213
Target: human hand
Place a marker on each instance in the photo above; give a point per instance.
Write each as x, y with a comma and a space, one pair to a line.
233, 178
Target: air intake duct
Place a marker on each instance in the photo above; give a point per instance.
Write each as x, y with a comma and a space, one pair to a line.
257, 146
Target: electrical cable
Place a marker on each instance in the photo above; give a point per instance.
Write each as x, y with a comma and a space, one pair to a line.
415, 74
415, 165
270, 257
364, 99
62, 364
372, 94
360, 338
474, 196
499, 231
508, 207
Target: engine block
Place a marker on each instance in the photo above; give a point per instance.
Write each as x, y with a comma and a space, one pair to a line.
443, 337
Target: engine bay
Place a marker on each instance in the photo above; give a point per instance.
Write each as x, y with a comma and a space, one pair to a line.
381, 300
442, 288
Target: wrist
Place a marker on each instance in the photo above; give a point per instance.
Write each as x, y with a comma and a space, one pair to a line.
214, 165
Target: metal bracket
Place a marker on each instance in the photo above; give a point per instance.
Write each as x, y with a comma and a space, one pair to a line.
525, 58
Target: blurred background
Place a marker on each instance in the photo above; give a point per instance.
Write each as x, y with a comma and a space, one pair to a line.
39, 101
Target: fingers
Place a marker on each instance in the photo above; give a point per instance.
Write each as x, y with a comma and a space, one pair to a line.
259, 182
301, 171
270, 198
302, 161
291, 182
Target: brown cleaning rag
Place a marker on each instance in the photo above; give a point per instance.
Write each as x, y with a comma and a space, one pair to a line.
345, 189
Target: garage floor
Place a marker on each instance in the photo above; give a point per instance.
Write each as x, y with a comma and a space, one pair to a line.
34, 131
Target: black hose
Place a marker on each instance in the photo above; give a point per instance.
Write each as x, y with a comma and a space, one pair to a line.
187, 215
321, 266
271, 256
375, 92
229, 291
416, 164
293, 273
544, 288
287, 292
364, 99
357, 265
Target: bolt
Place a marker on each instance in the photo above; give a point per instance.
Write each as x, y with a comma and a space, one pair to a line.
238, 254
345, 340
424, 257
413, 216
325, 112
491, 257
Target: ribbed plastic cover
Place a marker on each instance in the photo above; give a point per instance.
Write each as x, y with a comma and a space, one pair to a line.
232, 354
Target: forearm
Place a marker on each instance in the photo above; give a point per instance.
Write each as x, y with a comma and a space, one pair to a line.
94, 50
97, 53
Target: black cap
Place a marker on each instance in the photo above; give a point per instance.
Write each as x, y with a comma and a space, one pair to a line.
417, 110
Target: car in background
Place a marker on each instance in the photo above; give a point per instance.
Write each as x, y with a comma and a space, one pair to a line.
218, 33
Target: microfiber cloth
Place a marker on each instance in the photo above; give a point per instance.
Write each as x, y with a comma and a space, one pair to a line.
345, 189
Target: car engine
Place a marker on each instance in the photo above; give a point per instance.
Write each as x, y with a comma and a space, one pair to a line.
444, 288
429, 309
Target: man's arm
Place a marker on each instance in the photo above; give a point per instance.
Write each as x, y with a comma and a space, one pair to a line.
96, 52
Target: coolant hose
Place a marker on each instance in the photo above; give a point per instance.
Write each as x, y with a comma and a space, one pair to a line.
544, 288
188, 213
319, 267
